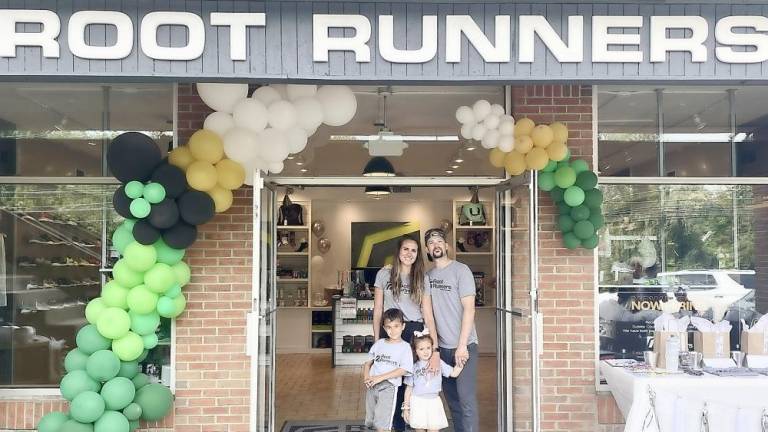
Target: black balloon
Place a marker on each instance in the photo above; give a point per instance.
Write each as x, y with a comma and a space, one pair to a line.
180, 236
164, 214
122, 203
172, 178
195, 207
133, 156
145, 233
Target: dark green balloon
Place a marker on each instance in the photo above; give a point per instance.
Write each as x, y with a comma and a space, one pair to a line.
586, 180
140, 380
118, 393
565, 223
557, 194
571, 241
597, 219
132, 411
593, 198
590, 243
584, 229
133, 424
89, 340
87, 407
546, 181
551, 166
155, 401
563, 208
580, 213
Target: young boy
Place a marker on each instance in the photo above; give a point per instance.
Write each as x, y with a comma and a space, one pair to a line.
388, 361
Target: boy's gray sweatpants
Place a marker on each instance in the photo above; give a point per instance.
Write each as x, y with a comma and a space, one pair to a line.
461, 392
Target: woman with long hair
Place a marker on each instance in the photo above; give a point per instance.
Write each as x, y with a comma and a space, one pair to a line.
404, 285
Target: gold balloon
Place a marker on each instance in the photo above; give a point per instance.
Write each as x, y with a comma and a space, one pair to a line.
524, 127
206, 146
181, 157
542, 136
514, 163
202, 176
222, 198
557, 151
497, 157
523, 144
231, 174
537, 158
560, 132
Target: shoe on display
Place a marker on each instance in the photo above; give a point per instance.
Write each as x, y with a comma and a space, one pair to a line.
303, 245
460, 245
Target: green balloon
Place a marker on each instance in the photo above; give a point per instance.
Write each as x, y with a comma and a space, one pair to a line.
128, 369
160, 278
165, 307
574, 196
76, 426
579, 165
128, 224
143, 356
126, 277
77, 382
546, 181
128, 347
132, 411
154, 193
141, 300
94, 309
75, 360
597, 219
150, 341
565, 223
114, 295
155, 401
167, 254
140, 380
174, 291
121, 238
183, 273
563, 163
584, 229
580, 213
114, 323
557, 194
590, 243
551, 166
89, 340
593, 198
563, 208
565, 177
134, 424
134, 189
180, 303
118, 393
87, 407
144, 324
102, 365
52, 422
586, 180
139, 257
571, 241
140, 208
111, 421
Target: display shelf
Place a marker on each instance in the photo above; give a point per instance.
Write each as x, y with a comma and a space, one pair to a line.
321, 330
294, 292
294, 227
481, 260
298, 254
292, 280
463, 227
473, 253
350, 336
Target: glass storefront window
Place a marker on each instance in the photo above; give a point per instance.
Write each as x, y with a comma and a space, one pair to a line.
628, 132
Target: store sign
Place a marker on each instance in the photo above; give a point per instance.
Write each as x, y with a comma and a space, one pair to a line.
738, 39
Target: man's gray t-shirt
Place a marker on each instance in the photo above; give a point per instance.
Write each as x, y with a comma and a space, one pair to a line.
425, 384
404, 302
447, 286
388, 356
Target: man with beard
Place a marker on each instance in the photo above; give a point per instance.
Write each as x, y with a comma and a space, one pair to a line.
452, 288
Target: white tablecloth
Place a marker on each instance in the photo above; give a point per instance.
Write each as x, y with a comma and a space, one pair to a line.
734, 404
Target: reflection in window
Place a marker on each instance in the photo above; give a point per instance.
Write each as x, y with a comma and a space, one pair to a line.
699, 244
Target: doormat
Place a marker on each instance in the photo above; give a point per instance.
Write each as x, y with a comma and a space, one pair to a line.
330, 426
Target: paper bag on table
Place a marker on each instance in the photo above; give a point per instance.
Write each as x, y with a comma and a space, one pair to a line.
754, 340
712, 344
660, 345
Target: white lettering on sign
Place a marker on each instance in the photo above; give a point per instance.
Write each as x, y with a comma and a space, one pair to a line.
613, 39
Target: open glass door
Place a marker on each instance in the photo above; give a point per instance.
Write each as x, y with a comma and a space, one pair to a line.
261, 329
516, 311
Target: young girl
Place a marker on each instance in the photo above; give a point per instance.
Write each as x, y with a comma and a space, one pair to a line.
422, 407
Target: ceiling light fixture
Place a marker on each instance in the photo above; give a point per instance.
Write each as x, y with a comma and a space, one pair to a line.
299, 161
470, 145
379, 167
303, 170
377, 190
449, 171
455, 166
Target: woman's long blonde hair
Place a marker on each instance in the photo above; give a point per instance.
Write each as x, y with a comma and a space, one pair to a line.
417, 271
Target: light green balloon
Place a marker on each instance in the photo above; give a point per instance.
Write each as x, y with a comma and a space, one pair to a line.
134, 189
167, 254
89, 340
114, 323
128, 369
546, 181
160, 278
114, 295
140, 208
102, 365
87, 407
565, 177
139, 257
154, 193
144, 324
128, 347
183, 273
165, 307
52, 422
118, 393
121, 238
551, 166
150, 341
125, 276
174, 291
141, 300
579, 165
111, 421
77, 382
179, 303
75, 426
134, 425
574, 196
75, 360
94, 309
128, 224
132, 411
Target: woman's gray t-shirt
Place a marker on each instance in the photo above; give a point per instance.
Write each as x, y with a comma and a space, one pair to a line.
404, 302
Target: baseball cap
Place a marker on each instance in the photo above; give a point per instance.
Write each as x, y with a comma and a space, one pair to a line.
434, 232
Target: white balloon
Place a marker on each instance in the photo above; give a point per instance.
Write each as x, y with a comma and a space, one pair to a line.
250, 114
497, 109
490, 139
478, 131
282, 115
240, 146
309, 114
297, 139
298, 91
275, 167
466, 130
507, 117
507, 127
220, 96
281, 90
492, 121
249, 168
506, 143
272, 145
219, 123
266, 94
481, 109
465, 115
339, 104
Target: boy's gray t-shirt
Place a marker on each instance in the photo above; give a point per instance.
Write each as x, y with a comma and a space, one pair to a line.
447, 286
390, 356
425, 384
404, 302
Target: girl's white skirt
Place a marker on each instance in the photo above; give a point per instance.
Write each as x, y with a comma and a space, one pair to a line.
427, 413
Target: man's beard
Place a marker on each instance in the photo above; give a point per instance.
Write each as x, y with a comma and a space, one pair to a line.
437, 253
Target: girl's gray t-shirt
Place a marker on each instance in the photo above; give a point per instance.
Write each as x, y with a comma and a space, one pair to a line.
425, 384
404, 302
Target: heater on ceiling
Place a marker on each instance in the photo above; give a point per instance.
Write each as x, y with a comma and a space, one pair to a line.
386, 142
